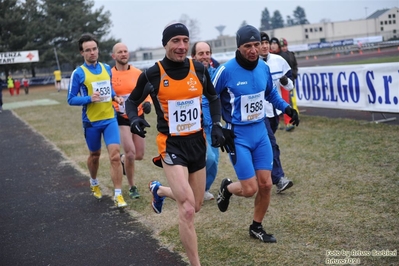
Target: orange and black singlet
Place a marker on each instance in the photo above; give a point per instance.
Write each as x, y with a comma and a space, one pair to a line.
123, 83
180, 102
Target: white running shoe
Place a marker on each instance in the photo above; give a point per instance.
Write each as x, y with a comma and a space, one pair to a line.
208, 196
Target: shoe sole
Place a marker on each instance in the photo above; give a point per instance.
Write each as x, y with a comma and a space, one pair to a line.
254, 236
155, 209
97, 197
220, 196
290, 184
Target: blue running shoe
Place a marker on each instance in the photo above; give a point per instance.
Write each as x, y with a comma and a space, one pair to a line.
157, 201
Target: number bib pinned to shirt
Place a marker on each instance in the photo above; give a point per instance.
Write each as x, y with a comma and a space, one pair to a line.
252, 107
184, 116
104, 87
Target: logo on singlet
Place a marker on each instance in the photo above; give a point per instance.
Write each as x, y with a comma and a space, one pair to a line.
192, 84
166, 83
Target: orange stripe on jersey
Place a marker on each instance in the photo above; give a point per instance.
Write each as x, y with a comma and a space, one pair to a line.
180, 101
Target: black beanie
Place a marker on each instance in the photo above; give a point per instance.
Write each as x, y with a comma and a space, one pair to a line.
246, 34
173, 30
275, 40
264, 37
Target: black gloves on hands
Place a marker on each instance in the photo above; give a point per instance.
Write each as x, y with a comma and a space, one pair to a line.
283, 80
138, 125
146, 107
228, 146
291, 112
217, 136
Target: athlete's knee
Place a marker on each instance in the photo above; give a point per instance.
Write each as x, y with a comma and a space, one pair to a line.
188, 211
130, 155
265, 184
249, 187
95, 155
114, 158
249, 192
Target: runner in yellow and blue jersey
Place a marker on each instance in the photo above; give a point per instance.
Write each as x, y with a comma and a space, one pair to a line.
90, 87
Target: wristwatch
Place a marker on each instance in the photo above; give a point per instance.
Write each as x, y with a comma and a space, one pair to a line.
217, 124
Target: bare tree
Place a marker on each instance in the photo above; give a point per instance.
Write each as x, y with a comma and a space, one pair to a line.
193, 26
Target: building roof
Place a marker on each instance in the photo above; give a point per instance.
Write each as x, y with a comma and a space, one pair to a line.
377, 13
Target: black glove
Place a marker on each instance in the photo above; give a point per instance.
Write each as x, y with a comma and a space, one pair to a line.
291, 112
229, 146
283, 80
146, 107
138, 125
217, 135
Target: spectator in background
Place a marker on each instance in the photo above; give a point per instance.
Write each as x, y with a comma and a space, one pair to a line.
57, 77
25, 83
281, 74
202, 52
291, 59
17, 85
10, 85
276, 48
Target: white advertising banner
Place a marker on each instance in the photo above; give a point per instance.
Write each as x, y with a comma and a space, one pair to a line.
370, 87
19, 57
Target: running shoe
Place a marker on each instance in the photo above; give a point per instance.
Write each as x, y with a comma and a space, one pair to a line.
157, 201
208, 196
261, 234
289, 127
134, 193
283, 184
119, 201
224, 195
96, 191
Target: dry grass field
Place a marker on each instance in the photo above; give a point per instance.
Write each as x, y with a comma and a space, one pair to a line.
343, 205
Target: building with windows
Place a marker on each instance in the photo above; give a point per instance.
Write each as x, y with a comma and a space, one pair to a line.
382, 25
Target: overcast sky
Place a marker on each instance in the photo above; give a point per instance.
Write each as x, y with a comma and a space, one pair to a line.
139, 23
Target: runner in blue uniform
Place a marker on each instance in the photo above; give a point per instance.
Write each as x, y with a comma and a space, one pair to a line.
244, 83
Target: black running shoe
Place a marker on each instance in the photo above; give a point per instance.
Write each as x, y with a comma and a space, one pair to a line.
261, 234
224, 195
